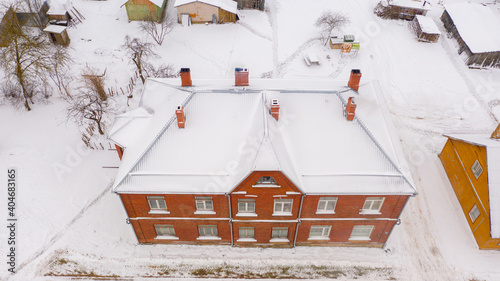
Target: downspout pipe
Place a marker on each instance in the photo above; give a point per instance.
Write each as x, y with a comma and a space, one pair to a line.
298, 220
230, 218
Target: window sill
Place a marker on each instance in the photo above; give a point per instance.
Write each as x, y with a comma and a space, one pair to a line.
319, 238
282, 214
360, 239
204, 213
159, 212
209, 238
266, 185
326, 213
246, 215
246, 240
369, 213
166, 238
279, 240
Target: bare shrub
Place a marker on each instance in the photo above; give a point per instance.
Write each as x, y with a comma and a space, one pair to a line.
158, 31
94, 82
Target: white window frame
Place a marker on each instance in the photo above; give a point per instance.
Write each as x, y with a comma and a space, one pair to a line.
282, 234
370, 203
474, 213
266, 181
246, 234
476, 169
280, 204
208, 235
204, 209
247, 203
325, 232
359, 228
155, 207
326, 202
168, 235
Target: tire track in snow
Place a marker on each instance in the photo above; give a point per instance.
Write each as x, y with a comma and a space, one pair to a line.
271, 10
62, 231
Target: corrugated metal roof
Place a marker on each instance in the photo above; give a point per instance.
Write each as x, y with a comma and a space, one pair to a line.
230, 133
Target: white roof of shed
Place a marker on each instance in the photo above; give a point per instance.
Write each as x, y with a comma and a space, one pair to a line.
229, 133
493, 162
422, 5
52, 28
427, 25
227, 5
477, 25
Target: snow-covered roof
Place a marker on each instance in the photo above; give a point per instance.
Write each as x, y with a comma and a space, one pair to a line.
477, 25
493, 162
427, 25
58, 7
52, 28
227, 5
422, 5
229, 133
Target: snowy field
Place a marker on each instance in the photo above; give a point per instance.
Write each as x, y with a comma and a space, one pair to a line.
72, 226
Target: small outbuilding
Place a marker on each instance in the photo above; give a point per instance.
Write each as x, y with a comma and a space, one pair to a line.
251, 4
58, 13
207, 11
407, 9
425, 29
58, 34
145, 10
30, 14
477, 30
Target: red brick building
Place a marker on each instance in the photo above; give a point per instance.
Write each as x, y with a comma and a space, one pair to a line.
213, 164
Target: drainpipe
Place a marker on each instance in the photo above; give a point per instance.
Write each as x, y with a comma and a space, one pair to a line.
230, 218
399, 220
298, 219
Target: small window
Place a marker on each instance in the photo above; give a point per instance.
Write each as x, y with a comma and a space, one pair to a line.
283, 206
157, 203
266, 181
280, 232
372, 205
474, 213
327, 204
204, 204
246, 232
165, 230
320, 231
246, 206
476, 168
361, 232
208, 230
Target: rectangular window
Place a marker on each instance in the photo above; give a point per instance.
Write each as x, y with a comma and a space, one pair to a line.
208, 230
204, 204
157, 203
476, 168
266, 181
327, 204
320, 232
474, 213
280, 232
372, 205
246, 232
283, 206
361, 232
246, 206
165, 230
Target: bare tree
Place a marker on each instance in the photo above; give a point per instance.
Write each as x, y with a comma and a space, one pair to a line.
59, 70
139, 51
87, 106
329, 21
26, 60
158, 31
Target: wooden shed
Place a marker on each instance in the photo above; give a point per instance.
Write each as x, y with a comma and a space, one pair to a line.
149, 10
251, 4
58, 34
407, 9
425, 29
477, 31
472, 163
207, 11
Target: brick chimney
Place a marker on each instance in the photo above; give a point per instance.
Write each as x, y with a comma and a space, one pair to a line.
186, 77
181, 119
350, 109
354, 79
241, 76
275, 109
496, 133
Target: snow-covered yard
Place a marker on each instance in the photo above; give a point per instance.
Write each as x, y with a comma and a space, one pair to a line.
70, 224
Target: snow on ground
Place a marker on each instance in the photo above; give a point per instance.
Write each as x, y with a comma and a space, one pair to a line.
70, 223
